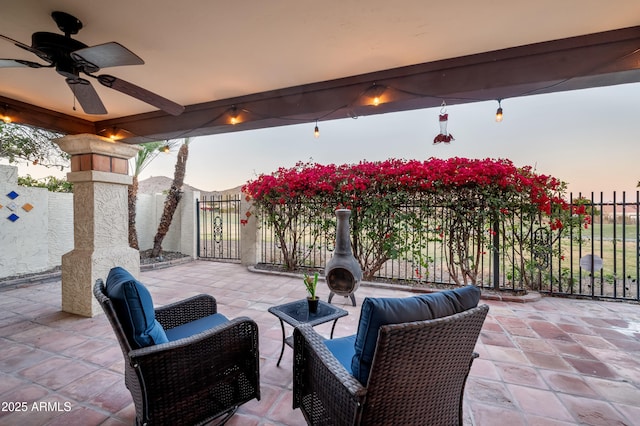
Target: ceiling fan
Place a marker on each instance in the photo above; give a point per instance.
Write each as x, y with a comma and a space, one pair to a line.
71, 58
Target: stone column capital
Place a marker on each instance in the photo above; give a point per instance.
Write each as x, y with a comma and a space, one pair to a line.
93, 144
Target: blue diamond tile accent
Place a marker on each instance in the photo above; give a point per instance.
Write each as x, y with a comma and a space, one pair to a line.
13, 217
13, 195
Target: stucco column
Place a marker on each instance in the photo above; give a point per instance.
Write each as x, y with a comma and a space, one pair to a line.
99, 172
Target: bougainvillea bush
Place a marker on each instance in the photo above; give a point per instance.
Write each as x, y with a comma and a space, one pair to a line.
399, 205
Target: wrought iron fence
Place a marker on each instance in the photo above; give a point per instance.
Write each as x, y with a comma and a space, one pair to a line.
219, 227
600, 261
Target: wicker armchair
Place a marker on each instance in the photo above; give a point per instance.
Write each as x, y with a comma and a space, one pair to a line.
417, 376
194, 379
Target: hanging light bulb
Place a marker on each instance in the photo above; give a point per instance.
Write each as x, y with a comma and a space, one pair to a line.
5, 116
114, 134
499, 112
375, 93
234, 116
165, 149
316, 131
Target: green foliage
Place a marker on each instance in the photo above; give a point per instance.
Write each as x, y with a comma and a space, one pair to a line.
310, 284
52, 183
30, 145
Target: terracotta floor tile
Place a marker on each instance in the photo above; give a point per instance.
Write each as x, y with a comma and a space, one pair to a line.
484, 369
549, 361
283, 414
489, 392
90, 385
591, 368
547, 330
45, 367
532, 400
501, 354
521, 375
8, 383
112, 398
533, 345
575, 329
573, 384
571, 349
631, 412
69, 372
485, 414
615, 391
496, 339
593, 412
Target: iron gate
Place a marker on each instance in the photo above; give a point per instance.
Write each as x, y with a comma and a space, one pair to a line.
219, 227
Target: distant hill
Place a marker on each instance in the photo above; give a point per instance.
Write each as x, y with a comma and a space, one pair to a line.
159, 184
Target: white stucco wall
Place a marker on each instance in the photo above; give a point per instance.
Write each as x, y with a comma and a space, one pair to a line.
188, 220
21, 241
182, 232
38, 239
146, 219
60, 231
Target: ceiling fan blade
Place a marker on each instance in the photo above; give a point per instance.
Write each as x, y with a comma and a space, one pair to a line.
8, 63
87, 96
24, 46
106, 55
139, 93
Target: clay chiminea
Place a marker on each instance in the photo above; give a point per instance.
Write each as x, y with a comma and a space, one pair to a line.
343, 273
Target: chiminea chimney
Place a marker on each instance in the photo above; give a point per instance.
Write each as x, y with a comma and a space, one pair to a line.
343, 273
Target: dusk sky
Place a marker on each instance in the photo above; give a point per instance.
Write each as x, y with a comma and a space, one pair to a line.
587, 138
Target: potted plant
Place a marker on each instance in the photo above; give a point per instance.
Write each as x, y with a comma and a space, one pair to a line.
311, 283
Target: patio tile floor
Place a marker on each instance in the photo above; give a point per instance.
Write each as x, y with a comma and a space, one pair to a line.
550, 362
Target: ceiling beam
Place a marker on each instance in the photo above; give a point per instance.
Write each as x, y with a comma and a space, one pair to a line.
593, 60
24, 113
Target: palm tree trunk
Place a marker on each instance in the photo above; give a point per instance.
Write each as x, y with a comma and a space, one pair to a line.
173, 198
133, 198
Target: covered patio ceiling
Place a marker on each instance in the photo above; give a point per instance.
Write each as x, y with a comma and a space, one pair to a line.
287, 62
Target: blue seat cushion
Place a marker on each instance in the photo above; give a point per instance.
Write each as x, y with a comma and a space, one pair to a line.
377, 312
195, 327
134, 307
343, 348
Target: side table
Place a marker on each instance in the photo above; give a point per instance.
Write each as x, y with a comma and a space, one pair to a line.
297, 313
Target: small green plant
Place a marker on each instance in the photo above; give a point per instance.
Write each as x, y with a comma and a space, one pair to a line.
311, 283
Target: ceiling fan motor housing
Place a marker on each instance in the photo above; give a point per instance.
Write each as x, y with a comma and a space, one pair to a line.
56, 49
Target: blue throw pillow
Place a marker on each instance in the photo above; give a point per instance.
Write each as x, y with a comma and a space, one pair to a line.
377, 312
134, 307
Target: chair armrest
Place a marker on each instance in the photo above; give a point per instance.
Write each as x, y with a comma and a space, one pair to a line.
187, 310
322, 388
194, 364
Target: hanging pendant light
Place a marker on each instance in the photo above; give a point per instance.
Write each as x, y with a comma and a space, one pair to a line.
499, 111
